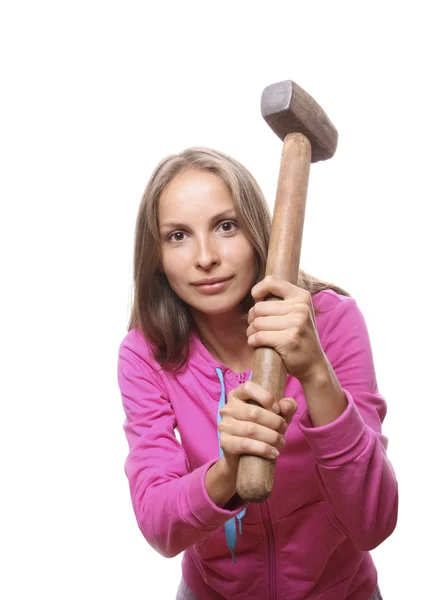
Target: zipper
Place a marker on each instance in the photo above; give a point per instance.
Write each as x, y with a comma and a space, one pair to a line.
270, 537
271, 552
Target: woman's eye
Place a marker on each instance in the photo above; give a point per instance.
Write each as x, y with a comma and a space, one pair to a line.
229, 225
177, 236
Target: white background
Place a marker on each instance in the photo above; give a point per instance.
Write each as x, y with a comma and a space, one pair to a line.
93, 95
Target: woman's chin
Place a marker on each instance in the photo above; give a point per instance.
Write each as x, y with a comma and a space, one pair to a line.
215, 308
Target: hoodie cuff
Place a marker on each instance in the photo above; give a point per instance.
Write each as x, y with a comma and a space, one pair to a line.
200, 507
339, 442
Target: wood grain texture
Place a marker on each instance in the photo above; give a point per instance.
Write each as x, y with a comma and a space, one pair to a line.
255, 476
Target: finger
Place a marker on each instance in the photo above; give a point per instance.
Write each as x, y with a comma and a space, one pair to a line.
270, 324
252, 431
288, 407
277, 287
271, 308
242, 411
240, 445
273, 339
253, 391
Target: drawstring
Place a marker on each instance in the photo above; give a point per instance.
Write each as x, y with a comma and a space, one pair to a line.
230, 525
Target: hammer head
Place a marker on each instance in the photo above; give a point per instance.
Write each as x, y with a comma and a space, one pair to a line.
289, 109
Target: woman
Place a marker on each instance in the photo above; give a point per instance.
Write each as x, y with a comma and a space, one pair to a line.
198, 313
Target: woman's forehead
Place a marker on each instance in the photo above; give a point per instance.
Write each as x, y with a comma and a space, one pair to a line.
194, 192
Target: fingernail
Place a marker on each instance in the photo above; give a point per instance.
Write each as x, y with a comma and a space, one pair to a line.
276, 408
275, 452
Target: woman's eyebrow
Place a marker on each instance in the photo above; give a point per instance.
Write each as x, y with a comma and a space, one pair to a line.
220, 215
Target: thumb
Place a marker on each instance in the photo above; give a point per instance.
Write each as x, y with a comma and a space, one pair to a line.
288, 407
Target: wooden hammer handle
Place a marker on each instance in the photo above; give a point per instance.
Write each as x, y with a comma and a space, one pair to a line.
255, 475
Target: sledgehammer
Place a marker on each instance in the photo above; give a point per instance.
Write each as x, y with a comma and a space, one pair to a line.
309, 136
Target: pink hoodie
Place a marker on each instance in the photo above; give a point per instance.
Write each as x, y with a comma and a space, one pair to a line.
335, 493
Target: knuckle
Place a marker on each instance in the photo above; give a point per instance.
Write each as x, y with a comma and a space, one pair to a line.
293, 338
260, 337
254, 414
258, 309
254, 325
259, 322
301, 317
250, 430
301, 324
244, 445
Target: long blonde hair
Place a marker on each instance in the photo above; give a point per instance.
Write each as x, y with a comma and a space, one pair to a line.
157, 311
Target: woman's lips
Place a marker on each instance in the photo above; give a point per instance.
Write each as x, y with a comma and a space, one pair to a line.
213, 288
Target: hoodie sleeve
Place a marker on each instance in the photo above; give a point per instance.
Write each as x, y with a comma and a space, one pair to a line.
353, 470
171, 504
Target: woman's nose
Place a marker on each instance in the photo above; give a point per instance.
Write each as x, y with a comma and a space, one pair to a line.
207, 254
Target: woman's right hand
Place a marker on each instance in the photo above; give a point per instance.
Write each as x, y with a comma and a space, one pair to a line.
249, 429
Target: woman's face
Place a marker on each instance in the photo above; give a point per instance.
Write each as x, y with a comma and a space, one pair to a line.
201, 240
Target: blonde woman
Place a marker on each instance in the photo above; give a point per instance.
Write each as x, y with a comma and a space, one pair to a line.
198, 312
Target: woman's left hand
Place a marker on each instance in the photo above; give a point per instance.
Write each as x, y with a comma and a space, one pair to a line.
288, 326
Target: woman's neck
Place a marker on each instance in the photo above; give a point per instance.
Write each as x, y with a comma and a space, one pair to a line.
225, 338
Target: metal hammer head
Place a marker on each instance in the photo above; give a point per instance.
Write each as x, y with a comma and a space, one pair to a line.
289, 109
